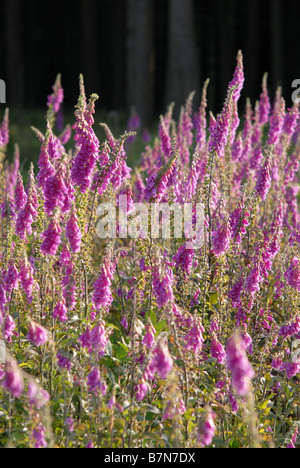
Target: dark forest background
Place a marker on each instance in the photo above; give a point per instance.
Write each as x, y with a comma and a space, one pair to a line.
145, 53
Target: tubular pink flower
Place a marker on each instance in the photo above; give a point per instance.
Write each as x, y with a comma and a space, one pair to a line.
264, 180
201, 122
28, 214
102, 296
163, 286
264, 106
221, 239
238, 364
13, 379
184, 259
157, 183
221, 129
238, 79
55, 190
4, 130
87, 143
73, 232
292, 275
94, 382
52, 238
194, 339
26, 272
56, 98
37, 396
61, 312
217, 351
11, 279
20, 194
46, 169
162, 362
276, 122
37, 334
206, 428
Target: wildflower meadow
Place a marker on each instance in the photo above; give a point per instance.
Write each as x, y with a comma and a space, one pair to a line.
126, 331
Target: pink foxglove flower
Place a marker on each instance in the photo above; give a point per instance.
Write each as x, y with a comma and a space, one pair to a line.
141, 391
13, 379
28, 215
217, 351
194, 339
292, 275
56, 98
157, 184
37, 334
163, 285
87, 143
61, 312
162, 362
264, 106
52, 238
96, 339
174, 409
11, 280
94, 383
221, 239
9, 328
26, 277
184, 258
4, 130
73, 232
276, 122
55, 189
221, 129
20, 194
38, 397
264, 179
102, 296
38, 436
238, 364
238, 79
206, 428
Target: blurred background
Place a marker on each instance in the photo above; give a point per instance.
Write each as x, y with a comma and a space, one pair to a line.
145, 53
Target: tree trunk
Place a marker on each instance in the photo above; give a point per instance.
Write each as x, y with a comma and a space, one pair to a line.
276, 43
90, 58
251, 53
182, 72
140, 59
14, 65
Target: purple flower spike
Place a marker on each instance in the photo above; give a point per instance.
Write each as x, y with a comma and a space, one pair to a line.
238, 364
